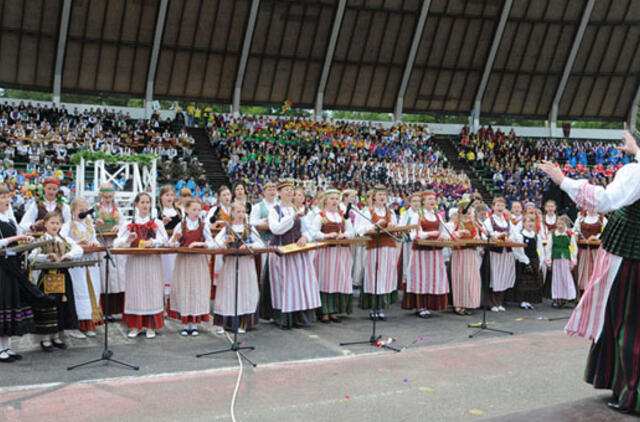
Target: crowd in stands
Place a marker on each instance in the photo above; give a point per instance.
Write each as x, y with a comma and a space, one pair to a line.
339, 154
509, 160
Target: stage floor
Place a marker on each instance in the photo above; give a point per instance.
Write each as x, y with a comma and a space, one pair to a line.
303, 374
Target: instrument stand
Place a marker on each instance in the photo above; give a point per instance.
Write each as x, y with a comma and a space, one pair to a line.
483, 325
373, 340
107, 354
235, 346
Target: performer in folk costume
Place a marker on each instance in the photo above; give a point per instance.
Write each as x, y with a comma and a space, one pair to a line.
386, 253
217, 217
530, 210
108, 219
427, 282
190, 281
589, 225
144, 304
248, 291
503, 263
529, 282
240, 195
561, 255
260, 217
465, 269
609, 311
171, 216
410, 216
86, 280
549, 221
333, 264
349, 206
33, 218
53, 319
294, 285
516, 216
299, 203
17, 315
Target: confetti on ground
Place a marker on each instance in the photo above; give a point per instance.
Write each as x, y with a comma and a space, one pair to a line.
346, 398
477, 412
405, 380
478, 324
427, 389
243, 343
313, 336
519, 319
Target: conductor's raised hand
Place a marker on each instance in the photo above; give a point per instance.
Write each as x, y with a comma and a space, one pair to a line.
554, 172
630, 145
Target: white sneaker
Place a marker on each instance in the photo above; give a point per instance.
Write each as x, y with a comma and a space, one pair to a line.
90, 333
502, 308
495, 309
242, 331
76, 334
151, 333
523, 305
219, 330
529, 306
133, 333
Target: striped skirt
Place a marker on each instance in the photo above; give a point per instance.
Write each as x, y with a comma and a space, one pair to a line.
189, 298
333, 268
387, 270
562, 285
586, 262
144, 293
503, 271
427, 273
248, 291
614, 360
294, 285
465, 278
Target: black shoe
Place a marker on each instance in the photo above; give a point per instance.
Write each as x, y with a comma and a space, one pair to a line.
617, 407
14, 355
59, 344
325, 321
109, 318
8, 359
47, 349
381, 316
336, 320
372, 315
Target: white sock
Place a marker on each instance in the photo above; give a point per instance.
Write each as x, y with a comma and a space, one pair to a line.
187, 327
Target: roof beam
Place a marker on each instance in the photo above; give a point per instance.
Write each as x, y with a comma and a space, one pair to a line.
411, 58
497, 38
62, 47
553, 114
155, 53
246, 46
633, 113
331, 48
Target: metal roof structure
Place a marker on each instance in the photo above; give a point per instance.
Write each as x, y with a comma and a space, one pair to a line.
544, 59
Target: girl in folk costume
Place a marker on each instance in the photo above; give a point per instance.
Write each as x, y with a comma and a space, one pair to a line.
333, 264
549, 221
516, 216
86, 280
53, 319
465, 269
299, 204
240, 195
33, 218
294, 285
529, 282
589, 225
171, 216
384, 251
410, 216
108, 219
260, 217
427, 281
530, 210
17, 315
144, 305
502, 261
248, 291
349, 208
218, 217
561, 254
190, 292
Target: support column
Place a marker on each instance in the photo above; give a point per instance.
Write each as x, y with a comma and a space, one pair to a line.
246, 46
62, 47
153, 61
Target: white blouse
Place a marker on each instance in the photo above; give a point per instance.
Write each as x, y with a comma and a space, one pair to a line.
334, 217
122, 240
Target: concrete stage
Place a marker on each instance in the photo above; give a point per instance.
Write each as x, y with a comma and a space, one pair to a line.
303, 375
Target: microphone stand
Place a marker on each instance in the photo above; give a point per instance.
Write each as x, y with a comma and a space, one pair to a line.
107, 355
373, 340
235, 346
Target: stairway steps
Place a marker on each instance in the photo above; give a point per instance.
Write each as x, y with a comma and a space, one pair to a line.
209, 158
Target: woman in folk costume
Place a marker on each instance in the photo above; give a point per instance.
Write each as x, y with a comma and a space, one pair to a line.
529, 263
15, 288
248, 291
516, 216
86, 280
108, 219
260, 217
349, 208
171, 216
589, 225
465, 269
609, 311
190, 292
427, 282
294, 286
144, 304
502, 261
218, 217
333, 264
383, 251
410, 216
52, 320
33, 218
561, 257
240, 195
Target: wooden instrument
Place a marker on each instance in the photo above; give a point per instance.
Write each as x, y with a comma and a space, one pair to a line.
105, 234
396, 229
226, 251
263, 227
293, 248
434, 243
586, 243
467, 243
344, 242
92, 249
64, 264
23, 247
142, 251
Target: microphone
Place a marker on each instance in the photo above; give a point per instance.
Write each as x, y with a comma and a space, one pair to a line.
86, 213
